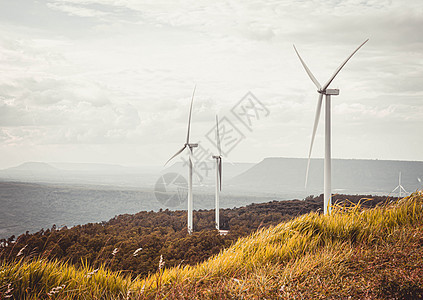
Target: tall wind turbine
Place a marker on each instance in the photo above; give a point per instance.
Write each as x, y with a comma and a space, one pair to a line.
328, 93
218, 159
190, 147
399, 187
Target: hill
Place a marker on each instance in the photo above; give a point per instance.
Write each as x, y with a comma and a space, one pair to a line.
353, 253
81, 173
113, 174
34, 167
274, 176
349, 176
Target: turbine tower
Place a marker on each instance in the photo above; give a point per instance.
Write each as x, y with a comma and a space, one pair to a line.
190, 147
218, 159
399, 187
328, 93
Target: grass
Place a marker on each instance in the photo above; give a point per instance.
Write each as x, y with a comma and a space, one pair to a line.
360, 253
42, 279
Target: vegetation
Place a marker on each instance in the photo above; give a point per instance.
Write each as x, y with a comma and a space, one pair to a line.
150, 234
355, 252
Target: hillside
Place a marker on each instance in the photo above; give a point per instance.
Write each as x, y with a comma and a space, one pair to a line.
354, 253
162, 232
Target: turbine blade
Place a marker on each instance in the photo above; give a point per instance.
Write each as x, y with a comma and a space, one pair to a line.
395, 189
316, 123
194, 169
403, 189
220, 173
176, 154
191, 157
341, 66
316, 83
190, 112
217, 136
229, 161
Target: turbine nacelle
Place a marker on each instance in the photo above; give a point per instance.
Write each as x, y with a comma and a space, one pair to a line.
331, 92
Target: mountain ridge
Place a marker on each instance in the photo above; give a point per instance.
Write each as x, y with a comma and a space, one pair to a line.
348, 175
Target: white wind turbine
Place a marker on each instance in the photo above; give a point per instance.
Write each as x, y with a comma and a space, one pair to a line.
218, 159
327, 92
190, 147
399, 187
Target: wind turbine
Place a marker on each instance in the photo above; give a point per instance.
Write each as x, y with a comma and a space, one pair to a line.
218, 159
190, 147
328, 93
399, 187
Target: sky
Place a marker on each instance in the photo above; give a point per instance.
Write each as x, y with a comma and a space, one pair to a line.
110, 81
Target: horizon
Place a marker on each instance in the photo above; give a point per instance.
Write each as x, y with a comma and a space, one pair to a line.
181, 162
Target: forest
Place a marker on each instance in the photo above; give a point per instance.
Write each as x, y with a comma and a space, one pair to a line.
135, 244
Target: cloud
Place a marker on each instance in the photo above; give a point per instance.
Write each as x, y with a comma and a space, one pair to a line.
115, 72
360, 111
38, 105
76, 10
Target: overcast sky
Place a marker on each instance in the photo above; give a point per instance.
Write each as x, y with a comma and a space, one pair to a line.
109, 81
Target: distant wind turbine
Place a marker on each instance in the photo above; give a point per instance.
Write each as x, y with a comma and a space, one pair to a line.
399, 187
327, 92
190, 147
218, 159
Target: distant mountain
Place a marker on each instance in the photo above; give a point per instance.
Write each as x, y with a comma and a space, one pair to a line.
88, 167
348, 176
82, 173
275, 176
66, 166
97, 167
33, 166
114, 174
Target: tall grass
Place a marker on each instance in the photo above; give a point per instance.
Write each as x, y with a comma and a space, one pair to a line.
264, 261
42, 279
305, 234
